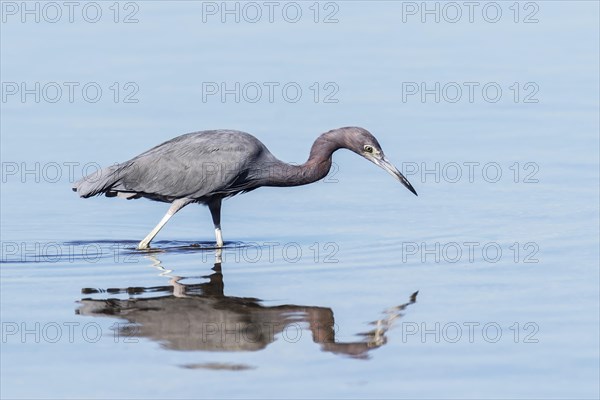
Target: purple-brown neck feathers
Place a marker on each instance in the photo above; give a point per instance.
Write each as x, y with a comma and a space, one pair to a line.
319, 161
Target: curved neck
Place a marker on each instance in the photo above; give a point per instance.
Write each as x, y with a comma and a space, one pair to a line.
316, 167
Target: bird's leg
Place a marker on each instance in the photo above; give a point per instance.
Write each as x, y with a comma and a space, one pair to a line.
175, 206
215, 211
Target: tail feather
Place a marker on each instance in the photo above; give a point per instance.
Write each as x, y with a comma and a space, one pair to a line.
101, 181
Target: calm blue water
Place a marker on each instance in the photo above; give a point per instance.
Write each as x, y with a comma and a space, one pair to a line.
314, 295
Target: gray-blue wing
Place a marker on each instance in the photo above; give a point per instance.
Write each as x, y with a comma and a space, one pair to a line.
195, 166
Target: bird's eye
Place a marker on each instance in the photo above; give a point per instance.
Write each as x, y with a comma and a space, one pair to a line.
368, 149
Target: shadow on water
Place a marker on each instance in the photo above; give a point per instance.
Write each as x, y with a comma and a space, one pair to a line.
200, 317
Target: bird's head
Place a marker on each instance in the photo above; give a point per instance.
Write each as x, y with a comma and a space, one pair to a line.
363, 143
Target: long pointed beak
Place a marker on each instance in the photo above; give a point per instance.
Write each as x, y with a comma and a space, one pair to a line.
389, 167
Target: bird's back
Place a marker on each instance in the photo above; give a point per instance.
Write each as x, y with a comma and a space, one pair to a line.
198, 166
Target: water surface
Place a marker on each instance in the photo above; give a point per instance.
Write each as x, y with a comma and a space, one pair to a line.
484, 286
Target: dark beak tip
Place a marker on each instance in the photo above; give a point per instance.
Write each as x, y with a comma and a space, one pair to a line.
410, 187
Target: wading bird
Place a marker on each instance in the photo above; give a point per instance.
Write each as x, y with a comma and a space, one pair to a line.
206, 167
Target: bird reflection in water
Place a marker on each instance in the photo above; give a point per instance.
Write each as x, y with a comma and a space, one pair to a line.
190, 317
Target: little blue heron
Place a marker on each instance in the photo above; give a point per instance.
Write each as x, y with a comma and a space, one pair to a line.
206, 167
